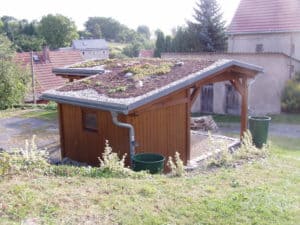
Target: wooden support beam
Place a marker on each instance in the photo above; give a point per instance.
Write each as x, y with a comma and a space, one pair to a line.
195, 94
188, 125
244, 107
159, 105
237, 85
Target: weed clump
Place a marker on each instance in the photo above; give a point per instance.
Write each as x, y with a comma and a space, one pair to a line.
176, 166
27, 159
246, 151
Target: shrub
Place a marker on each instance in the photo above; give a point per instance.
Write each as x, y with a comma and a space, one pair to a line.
5, 163
30, 158
177, 167
112, 165
290, 100
246, 151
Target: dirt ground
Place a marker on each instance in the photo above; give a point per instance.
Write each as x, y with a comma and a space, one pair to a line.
15, 130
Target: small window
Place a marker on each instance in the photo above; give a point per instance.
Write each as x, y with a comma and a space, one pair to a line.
293, 49
90, 121
259, 48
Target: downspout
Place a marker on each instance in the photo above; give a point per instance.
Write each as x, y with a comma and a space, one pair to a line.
250, 111
131, 133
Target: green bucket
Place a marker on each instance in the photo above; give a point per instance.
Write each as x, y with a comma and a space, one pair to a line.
259, 128
152, 162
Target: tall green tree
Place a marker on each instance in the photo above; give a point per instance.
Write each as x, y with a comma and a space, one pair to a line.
13, 79
208, 29
144, 30
160, 43
107, 28
57, 30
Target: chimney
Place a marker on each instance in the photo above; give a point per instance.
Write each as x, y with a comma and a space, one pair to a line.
46, 54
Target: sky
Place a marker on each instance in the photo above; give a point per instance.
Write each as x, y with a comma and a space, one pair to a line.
162, 14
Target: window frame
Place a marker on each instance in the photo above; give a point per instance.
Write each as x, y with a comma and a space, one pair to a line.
85, 127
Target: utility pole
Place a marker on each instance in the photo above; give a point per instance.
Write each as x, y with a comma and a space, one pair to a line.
33, 80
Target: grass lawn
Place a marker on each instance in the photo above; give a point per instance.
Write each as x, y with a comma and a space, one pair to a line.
282, 118
38, 113
264, 192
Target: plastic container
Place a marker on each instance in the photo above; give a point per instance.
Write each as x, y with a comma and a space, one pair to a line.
259, 128
152, 162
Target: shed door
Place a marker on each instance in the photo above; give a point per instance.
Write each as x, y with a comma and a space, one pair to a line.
232, 100
207, 98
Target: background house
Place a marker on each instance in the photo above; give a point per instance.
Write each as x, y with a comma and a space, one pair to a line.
266, 26
92, 48
264, 33
41, 65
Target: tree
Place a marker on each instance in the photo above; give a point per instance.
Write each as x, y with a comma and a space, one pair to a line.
57, 30
27, 43
13, 80
160, 43
208, 30
133, 49
168, 43
107, 28
144, 30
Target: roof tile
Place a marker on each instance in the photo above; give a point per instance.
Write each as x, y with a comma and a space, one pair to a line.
255, 16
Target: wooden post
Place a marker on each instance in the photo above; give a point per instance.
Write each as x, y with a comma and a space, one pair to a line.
33, 79
244, 107
188, 126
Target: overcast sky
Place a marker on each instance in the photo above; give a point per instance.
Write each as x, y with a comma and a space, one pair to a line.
163, 14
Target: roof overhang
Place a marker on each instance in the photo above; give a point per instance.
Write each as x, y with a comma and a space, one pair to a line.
262, 32
125, 105
77, 71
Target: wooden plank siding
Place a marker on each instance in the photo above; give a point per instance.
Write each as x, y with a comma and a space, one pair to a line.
162, 129
157, 129
86, 146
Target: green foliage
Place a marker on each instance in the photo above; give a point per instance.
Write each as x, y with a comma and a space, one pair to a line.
102, 27
159, 44
22, 34
133, 49
117, 89
208, 30
5, 163
13, 79
143, 70
27, 159
113, 166
6, 48
290, 99
177, 166
247, 151
51, 106
144, 30
110, 160
29, 43
57, 30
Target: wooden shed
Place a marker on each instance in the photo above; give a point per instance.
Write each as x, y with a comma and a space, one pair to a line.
138, 105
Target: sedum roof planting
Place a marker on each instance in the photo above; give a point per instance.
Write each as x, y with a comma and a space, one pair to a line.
127, 84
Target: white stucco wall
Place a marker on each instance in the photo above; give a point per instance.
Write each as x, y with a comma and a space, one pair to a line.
276, 42
265, 92
95, 54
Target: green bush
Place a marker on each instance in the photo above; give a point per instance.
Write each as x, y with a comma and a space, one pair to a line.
290, 101
13, 79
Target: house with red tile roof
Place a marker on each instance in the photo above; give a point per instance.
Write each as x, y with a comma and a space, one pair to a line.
266, 26
146, 53
40, 65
